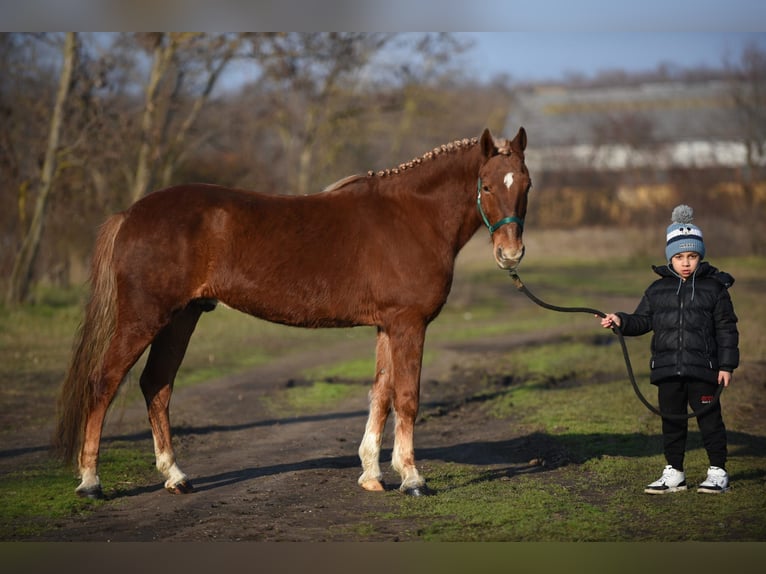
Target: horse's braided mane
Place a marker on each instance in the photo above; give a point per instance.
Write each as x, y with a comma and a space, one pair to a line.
502, 144
437, 151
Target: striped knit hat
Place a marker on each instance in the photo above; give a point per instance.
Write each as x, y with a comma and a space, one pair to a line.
682, 235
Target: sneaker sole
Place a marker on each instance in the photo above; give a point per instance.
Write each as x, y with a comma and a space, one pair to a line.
664, 490
712, 490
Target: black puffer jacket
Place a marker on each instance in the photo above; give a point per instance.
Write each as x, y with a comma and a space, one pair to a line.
694, 324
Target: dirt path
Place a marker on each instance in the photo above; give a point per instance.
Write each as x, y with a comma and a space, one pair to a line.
262, 478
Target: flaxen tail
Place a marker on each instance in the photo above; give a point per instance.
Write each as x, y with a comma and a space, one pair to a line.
94, 335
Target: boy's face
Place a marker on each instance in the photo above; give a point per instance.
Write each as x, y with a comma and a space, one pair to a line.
685, 263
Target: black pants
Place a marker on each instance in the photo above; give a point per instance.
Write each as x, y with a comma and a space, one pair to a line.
673, 396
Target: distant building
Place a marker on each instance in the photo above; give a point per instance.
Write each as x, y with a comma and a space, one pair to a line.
627, 153
662, 125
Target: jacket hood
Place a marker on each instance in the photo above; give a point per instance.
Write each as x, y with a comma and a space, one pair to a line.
704, 270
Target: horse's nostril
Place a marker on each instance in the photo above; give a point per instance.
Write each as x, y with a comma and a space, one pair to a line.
503, 255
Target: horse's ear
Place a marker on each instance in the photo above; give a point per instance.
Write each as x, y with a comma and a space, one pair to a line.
521, 139
488, 147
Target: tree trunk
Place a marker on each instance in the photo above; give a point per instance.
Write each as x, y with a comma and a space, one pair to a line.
21, 276
175, 148
163, 55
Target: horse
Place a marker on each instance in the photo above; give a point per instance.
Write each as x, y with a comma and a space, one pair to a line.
375, 249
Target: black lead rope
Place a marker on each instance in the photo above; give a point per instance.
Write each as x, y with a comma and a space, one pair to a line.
521, 287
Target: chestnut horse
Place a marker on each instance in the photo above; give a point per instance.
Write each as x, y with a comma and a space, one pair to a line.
376, 249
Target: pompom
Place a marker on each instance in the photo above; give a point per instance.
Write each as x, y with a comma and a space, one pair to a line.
682, 214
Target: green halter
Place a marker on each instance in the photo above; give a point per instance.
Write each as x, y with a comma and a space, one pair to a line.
492, 228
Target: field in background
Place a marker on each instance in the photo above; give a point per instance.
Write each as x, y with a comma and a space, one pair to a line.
538, 374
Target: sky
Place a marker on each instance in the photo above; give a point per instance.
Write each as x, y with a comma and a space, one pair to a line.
526, 39
536, 56
555, 56
531, 16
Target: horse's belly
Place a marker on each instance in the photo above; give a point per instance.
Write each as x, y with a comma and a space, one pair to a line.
301, 311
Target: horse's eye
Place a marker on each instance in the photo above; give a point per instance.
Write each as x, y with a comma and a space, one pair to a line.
486, 189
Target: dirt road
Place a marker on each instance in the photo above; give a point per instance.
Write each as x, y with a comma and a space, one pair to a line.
262, 478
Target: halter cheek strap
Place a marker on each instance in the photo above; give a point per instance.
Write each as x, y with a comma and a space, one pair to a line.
492, 228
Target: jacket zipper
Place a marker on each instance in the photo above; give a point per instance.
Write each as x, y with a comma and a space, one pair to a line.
680, 331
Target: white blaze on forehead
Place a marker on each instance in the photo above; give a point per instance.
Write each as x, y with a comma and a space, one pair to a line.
508, 180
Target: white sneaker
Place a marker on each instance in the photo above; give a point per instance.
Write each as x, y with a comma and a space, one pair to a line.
671, 480
717, 481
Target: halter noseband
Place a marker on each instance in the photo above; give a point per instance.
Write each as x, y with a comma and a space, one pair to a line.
492, 228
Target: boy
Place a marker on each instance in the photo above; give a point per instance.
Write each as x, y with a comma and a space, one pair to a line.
695, 345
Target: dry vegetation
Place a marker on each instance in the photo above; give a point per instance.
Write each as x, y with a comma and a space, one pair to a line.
312, 117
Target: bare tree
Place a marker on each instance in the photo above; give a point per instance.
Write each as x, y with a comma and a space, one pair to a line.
174, 57
307, 75
321, 85
163, 50
748, 91
18, 288
216, 54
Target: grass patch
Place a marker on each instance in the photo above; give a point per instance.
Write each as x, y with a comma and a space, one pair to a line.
30, 498
302, 399
361, 369
599, 500
575, 391
228, 342
33, 499
318, 396
475, 506
570, 388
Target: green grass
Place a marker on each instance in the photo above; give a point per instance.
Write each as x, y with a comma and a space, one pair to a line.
473, 506
227, 342
570, 388
315, 397
362, 368
25, 498
577, 394
600, 499
34, 498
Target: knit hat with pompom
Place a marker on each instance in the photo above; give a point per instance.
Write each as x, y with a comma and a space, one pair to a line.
682, 235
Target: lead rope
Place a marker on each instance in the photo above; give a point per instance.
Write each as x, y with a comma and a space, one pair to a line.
521, 287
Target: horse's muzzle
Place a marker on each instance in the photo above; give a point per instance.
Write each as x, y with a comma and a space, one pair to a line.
506, 259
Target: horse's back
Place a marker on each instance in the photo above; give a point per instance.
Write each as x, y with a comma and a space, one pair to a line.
331, 259
287, 259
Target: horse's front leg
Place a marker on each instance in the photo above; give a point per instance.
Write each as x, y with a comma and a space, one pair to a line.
406, 343
380, 404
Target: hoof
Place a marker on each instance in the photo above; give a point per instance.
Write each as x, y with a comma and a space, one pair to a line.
92, 492
418, 491
184, 487
373, 486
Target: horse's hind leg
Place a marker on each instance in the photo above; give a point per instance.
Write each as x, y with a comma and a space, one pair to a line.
165, 356
380, 404
122, 354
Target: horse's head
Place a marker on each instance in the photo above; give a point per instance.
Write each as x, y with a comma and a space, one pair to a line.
504, 183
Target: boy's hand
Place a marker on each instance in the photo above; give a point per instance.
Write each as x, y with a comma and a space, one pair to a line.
724, 378
610, 321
